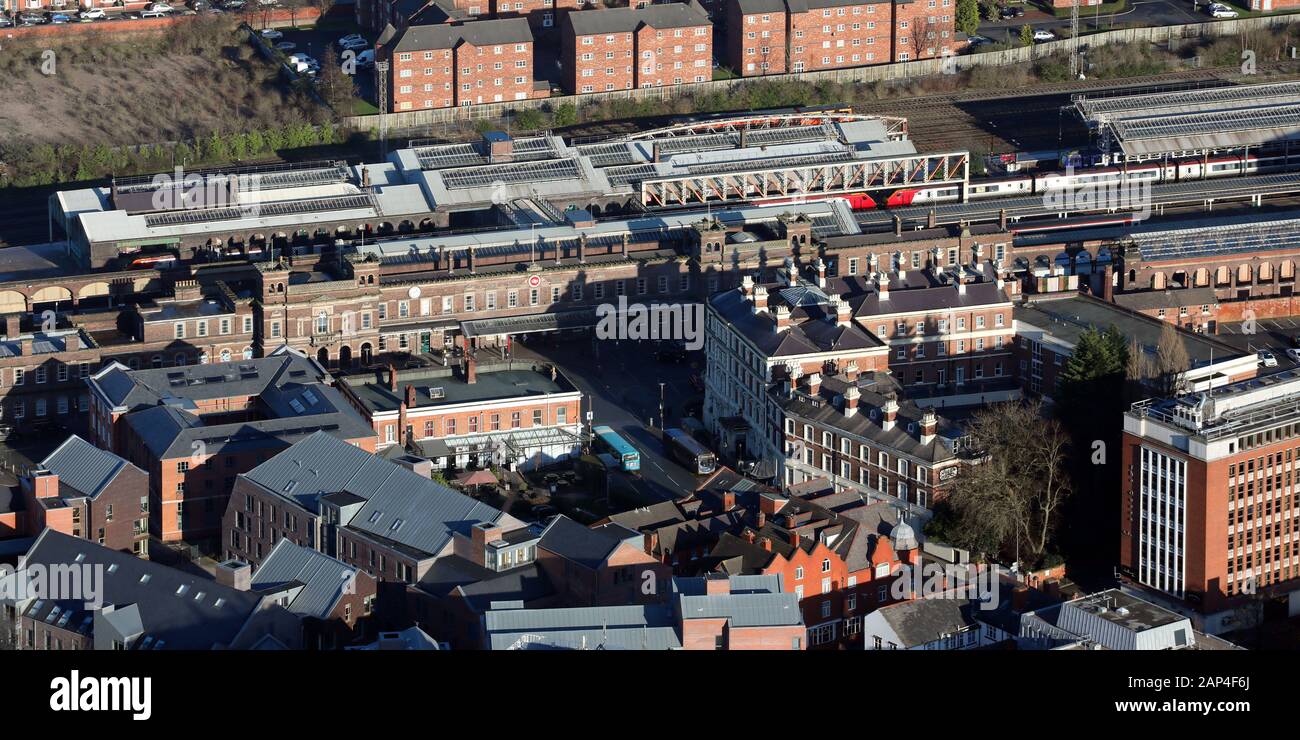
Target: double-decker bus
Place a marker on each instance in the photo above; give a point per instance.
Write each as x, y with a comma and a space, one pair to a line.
686, 450
624, 452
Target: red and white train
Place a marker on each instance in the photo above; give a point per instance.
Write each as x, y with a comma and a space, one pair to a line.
1146, 172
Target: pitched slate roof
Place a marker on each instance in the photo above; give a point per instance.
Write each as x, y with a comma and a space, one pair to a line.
314, 580
476, 33
174, 609
920, 621
625, 20
809, 331
83, 467
401, 506
586, 547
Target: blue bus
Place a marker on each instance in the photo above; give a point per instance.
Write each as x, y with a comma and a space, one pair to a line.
618, 447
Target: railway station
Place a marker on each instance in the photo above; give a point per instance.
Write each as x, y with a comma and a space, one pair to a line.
497, 182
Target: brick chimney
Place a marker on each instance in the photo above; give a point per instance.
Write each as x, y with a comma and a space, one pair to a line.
234, 574
1107, 284
767, 544
791, 273
770, 503
651, 542
717, 584
843, 312
795, 539
747, 287
760, 519
929, 425
760, 299
187, 290
821, 273
889, 414
882, 286
471, 368
898, 225
410, 396
814, 383
851, 396
851, 371
481, 534
1020, 598
961, 285
782, 319
728, 500
1002, 219
392, 378
750, 536
45, 484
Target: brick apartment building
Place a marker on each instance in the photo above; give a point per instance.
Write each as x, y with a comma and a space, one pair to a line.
1210, 499
385, 518
82, 491
446, 65
778, 36
195, 428
628, 48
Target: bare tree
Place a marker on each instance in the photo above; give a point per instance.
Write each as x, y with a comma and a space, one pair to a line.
1012, 498
922, 35
1171, 361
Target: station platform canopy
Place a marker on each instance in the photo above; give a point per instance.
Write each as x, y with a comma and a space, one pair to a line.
1224, 118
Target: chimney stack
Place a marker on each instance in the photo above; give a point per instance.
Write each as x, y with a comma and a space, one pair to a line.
392, 377
747, 287
234, 574
760, 299
782, 319
976, 256
851, 396
728, 500
410, 396
843, 312
814, 383
932, 220
717, 584
482, 534
767, 544
889, 414
45, 484
929, 424
471, 368
795, 539
760, 519
821, 273
851, 371
882, 286
898, 225
1002, 219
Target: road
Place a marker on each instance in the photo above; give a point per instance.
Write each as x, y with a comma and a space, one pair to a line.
1141, 12
621, 381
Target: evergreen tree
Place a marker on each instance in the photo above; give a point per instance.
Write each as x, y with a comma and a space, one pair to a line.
968, 16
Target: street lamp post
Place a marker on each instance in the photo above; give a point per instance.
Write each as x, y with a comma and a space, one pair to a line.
662, 422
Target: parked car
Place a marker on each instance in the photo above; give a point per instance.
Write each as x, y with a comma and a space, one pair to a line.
978, 40
57, 18
366, 59
1293, 354
1008, 13
234, 4
1218, 10
160, 7
93, 14
30, 19
270, 34
5, 22
286, 46
1267, 359
153, 14
1043, 34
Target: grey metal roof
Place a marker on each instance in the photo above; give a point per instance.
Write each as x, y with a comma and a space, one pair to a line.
321, 580
401, 506
140, 388
745, 610
176, 609
84, 467
592, 628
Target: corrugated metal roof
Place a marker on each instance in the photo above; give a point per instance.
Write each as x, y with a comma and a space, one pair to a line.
323, 579
401, 505
83, 466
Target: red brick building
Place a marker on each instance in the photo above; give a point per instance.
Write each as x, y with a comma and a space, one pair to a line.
924, 29
627, 48
446, 65
1209, 507
83, 491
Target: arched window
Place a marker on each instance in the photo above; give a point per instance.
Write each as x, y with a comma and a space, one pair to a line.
248, 353
225, 355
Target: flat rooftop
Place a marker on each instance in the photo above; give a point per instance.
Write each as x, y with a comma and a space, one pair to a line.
1066, 319
441, 387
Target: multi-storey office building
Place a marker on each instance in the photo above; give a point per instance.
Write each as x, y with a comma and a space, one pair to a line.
1210, 505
